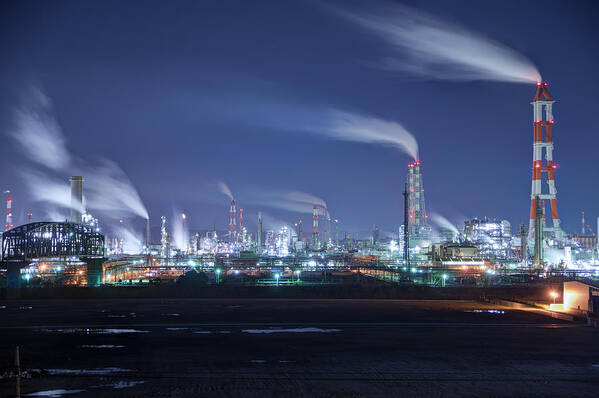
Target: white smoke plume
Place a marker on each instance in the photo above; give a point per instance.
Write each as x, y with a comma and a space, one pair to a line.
133, 241
224, 188
443, 222
180, 231
324, 121
295, 201
354, 127
272, 223
107, 188
46, 188
432, 47
37, 132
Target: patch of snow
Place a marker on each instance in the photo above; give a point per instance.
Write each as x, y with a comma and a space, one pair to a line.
295, 330
488, 311
53, 393
124, 384
95, 331
100, 371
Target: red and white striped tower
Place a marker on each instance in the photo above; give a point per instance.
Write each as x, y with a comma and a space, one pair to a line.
543, 145
8, 224
315, 225
232, 221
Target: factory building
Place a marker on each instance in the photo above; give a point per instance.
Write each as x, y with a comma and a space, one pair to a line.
492, 237
455, 254
586, 241
581, 296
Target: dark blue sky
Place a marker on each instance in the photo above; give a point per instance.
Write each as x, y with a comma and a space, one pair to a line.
155, 86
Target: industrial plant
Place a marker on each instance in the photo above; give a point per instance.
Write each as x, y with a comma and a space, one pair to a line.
479, 251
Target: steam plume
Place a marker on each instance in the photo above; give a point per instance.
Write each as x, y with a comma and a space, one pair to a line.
295, 201
107, 187
354, 127
443, 222
225, 189
438, 49
37, 132
132, 240
180, 231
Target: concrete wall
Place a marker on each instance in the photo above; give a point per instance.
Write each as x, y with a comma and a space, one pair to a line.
576, 296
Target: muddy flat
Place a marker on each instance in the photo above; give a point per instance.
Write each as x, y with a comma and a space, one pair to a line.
293, 348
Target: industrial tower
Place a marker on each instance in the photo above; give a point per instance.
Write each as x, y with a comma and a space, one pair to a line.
259, 237
543, 144
232, 222
77, 208
418, 220
240, 235
9, 223
315, 233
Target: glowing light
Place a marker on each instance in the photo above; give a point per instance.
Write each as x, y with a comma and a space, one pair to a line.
569, 297
553, 294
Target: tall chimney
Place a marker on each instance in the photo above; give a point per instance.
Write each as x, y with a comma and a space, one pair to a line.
148, 237
76, 199
259, 237
406, 226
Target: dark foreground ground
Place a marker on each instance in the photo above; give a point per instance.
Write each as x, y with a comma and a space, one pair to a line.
294, 348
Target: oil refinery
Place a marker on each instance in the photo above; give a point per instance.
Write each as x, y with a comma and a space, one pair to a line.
479, 251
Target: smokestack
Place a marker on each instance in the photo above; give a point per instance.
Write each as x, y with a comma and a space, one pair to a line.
523, 243
9, 223
76, 199
259, 240
582, 231
543, 145
163, 238
148, 237
240, 224
406, 225
232, 221
315, 225
29, 218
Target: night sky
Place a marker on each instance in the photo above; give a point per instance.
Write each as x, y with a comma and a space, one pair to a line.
169, 91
